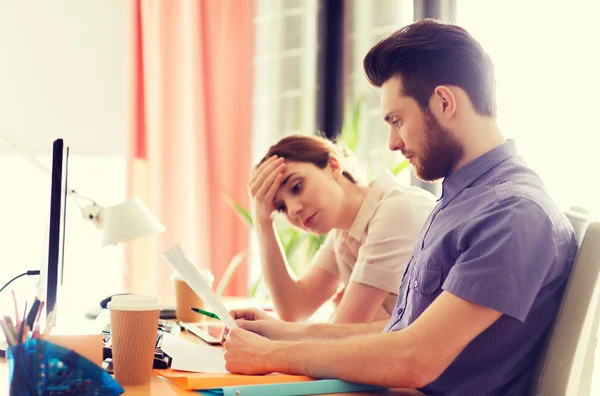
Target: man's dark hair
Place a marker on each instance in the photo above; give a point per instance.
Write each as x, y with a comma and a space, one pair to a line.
429, 53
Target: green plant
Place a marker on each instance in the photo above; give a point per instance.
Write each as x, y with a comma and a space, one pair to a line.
351, 136
298, 246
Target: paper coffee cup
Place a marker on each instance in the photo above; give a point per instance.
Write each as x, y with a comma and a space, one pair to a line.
134, 326
187, 298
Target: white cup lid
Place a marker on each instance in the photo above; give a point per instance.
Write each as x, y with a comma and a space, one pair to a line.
133, 302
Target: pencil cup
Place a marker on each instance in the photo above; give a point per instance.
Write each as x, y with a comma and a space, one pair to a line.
133, 327
186, 298
38, 367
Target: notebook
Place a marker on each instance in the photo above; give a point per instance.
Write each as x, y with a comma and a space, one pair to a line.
259, 385
317, 387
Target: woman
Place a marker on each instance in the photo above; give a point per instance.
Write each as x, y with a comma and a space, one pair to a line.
371, 230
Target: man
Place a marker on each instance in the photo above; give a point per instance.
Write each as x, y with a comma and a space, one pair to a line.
489, 267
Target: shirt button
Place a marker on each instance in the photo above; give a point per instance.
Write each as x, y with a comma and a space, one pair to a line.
415, 283
400, 311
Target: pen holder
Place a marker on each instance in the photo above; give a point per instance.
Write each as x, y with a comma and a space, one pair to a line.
38, 367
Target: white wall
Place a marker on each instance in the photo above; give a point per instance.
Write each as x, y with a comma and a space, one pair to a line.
547, 56
62, 74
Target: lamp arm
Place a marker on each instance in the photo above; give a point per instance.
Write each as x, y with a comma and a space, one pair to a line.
90, 210
93, 213
77, 197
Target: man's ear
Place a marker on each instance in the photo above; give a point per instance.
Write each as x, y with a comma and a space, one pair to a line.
443, 102
334, 164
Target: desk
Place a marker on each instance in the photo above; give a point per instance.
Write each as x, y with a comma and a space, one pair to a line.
160, 387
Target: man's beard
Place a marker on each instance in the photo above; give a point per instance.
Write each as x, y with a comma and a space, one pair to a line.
441, 152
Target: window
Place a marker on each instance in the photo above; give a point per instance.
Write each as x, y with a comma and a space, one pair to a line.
285, 66
285, 71
370, 22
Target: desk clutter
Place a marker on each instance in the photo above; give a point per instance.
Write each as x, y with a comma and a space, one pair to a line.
134, 344
161, 359
40, 367
201, 368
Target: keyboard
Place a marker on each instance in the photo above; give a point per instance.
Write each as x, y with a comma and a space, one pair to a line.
161, 359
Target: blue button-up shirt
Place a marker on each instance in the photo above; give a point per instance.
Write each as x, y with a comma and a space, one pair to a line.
497, 239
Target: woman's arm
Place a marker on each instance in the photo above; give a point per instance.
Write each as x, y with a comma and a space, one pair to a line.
360, 303
381, 259
294, 300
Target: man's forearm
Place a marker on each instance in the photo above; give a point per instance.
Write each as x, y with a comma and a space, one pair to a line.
376, 359
331, 331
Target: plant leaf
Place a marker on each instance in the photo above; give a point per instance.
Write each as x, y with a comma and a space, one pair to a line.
350, 135
356, 122
315, 243
242, 213
292, 244
255, 287
395, 170
229, 271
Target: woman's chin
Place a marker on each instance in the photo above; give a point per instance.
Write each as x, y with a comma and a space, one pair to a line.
319, 230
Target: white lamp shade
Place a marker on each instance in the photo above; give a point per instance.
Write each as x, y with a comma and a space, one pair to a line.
128, 220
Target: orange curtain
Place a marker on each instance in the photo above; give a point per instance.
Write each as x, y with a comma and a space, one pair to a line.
189, 136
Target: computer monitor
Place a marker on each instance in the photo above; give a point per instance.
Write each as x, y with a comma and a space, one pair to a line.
51, 274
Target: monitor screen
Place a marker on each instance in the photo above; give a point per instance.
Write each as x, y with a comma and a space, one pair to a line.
51, 274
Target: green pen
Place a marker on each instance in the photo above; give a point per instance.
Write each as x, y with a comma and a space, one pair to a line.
205, 313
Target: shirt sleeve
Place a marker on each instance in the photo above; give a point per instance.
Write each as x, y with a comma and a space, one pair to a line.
389, 242
506, 256
325, 257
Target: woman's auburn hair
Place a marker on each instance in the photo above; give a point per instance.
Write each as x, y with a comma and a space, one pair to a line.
310, 149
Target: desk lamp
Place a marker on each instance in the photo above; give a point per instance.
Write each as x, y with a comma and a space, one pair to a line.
121, 223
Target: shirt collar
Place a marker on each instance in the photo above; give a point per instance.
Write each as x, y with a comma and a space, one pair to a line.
377, 189
470, 172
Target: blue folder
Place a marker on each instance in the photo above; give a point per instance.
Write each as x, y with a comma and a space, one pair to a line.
291, 388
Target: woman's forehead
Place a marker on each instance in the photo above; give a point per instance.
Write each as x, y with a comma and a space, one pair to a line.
296, 166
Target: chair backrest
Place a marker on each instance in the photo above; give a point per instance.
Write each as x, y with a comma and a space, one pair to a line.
566, 365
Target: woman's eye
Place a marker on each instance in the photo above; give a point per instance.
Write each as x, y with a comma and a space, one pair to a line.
396, 122
296, 187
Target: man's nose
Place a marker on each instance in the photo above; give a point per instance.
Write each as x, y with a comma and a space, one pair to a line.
395, 142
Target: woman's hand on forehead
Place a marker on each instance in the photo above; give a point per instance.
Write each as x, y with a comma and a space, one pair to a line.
263, 186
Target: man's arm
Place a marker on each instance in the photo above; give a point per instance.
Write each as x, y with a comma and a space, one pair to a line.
412, 357
332, 331
263, 324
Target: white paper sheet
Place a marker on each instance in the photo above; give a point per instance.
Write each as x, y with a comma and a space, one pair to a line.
194, 279
196, 358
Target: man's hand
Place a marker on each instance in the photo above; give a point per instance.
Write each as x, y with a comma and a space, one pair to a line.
247, 353
250, 314
263, 324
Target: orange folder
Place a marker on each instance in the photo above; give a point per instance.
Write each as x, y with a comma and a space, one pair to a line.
196, 381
